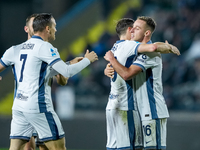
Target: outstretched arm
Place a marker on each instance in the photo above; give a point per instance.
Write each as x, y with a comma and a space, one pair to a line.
70, 70
63, 80
158, 47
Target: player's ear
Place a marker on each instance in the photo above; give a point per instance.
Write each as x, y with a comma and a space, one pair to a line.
48, 29
26, 29
129, 29
147, 33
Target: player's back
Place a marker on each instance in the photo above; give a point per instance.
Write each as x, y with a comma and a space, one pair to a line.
121, 93
33, 94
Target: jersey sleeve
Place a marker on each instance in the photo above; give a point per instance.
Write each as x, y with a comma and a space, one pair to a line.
49, 54
132, 47
8, 57
146, 61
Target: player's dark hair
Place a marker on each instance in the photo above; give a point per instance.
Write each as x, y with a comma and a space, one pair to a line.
41, 21
122, 25
29, 18
149, 21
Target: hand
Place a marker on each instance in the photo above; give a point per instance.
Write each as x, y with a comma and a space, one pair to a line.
108, 56
0, 78
109, 71
174, 49
61, 79
92, 56
75, 60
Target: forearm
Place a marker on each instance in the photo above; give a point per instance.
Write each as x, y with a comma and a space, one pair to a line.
120, 69
163, 47
70, 70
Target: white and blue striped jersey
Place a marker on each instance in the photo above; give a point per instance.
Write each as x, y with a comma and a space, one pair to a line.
121, 95
31, 62
148, 87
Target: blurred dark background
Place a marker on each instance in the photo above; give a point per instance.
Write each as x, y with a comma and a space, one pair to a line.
90, 24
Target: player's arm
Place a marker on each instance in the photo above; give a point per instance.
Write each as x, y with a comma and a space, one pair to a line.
158, 47
70, 70
125, 73
109, 71
63, 80
1, 67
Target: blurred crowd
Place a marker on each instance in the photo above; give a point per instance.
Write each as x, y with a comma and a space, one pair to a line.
178, 22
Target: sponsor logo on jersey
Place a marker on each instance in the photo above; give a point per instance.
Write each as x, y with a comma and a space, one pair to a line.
53, 53
148, 142
21, 97
112, 96
143, 58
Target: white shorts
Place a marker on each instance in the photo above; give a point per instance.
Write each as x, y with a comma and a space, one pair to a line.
123, 129
47, 125
155, 133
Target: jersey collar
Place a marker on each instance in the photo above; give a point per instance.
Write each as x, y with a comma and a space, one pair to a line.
119, 41
149, 42
37, 37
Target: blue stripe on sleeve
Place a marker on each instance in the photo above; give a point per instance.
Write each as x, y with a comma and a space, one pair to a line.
136, 49
141, 66
54, 61
1, 61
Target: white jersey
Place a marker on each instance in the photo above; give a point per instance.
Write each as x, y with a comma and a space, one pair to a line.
121, 94
31, 62
148, 86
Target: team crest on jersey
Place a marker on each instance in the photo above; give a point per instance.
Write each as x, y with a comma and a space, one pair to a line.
53, 53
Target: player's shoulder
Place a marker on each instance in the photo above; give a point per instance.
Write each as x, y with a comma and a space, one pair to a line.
15, 47
130, 44
47, 44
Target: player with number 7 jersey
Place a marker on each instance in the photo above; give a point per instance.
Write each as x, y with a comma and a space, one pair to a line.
29, 80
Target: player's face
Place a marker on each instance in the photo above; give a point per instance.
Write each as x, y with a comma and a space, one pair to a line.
138, 30
52, 30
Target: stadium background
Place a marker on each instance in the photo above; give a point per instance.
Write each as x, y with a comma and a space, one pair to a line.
83, 24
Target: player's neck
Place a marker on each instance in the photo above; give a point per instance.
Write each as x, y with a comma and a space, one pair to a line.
146, 39
123, 37
42, 35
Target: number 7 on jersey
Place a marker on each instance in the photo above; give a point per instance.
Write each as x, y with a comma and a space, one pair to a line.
22, 58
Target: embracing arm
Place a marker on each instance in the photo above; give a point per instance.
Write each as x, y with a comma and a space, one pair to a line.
109, 71
124, 72
158, 47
